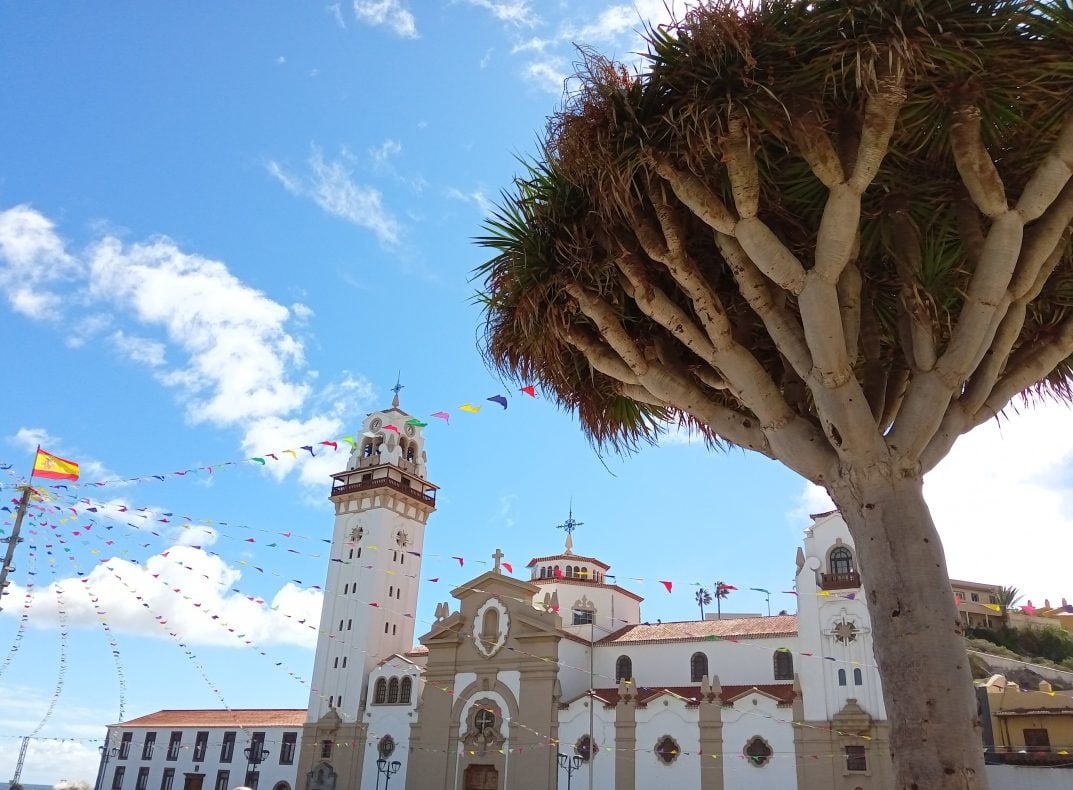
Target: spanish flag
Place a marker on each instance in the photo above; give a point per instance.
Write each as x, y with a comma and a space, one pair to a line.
53, 467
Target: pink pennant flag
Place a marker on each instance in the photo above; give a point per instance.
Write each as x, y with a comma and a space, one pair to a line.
333, 445
668, 585
443, 416
391, 428
461, 561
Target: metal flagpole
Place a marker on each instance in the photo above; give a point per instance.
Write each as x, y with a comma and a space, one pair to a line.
14, 538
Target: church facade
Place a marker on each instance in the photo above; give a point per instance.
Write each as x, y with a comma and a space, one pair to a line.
537, 681
554, 680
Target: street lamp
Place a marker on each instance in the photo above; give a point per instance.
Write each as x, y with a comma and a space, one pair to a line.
105, 753
387, 769
255, 754
569, 764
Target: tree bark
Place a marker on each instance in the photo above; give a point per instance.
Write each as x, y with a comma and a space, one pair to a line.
927, 685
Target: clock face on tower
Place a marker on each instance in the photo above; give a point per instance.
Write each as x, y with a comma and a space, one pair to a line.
410, 430
376, 424
357, 534
402, 538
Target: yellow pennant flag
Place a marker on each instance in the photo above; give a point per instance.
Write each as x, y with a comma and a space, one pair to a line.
470, 408
53, 467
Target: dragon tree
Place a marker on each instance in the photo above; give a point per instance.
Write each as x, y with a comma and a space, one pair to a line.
833, 233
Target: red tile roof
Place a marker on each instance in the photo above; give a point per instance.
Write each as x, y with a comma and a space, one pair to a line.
236, 717
419, 650
696, 630
783, 692
569, 557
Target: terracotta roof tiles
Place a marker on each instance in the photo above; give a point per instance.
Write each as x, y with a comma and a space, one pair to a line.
236, 717
695, 630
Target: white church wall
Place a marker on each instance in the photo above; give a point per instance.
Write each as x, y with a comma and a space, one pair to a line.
512, 679
612, 609
393, 720
574, 669
573, 724
751, 716
668, 716
747, 662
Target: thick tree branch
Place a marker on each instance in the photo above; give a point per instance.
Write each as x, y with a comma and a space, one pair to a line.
908, 257
782, 326
695, 195
742, 169
1050, 177
1027, 367
610, 328
849, 298
814, 144
973, 162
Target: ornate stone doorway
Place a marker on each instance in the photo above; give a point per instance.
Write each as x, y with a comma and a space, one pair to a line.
481, 777
193, 781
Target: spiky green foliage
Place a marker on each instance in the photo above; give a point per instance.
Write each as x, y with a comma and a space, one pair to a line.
771, 74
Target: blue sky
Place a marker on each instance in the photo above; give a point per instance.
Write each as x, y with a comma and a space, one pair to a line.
224, 230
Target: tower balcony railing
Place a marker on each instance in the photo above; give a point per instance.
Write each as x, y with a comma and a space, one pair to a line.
840, 581
350, 484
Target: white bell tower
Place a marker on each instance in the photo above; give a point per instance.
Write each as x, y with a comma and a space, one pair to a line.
382, 502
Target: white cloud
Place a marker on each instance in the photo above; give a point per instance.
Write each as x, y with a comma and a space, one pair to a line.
70, 754
239, 352
139, 349
534, 44
384, 152
387, 13
192, 591
331, 186
548, 74
513, 12
336, 12
476, 197
227, 349
1003, 502
32, 258
281, 60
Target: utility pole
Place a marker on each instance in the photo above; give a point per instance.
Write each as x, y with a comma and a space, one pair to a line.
9, 556
18, 766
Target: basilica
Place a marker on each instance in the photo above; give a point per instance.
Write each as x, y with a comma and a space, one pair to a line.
550, 678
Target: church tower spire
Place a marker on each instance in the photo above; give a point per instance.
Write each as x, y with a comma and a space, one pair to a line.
382, 502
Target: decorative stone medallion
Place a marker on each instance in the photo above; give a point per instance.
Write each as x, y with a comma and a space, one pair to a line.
844, 631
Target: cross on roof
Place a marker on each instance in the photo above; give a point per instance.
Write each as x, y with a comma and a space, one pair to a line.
570, 525
498, 557
398, 386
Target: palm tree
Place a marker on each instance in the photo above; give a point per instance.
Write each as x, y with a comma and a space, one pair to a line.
836, 234
704, 597
1008, 598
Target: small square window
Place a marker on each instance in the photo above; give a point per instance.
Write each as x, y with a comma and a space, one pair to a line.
975, 597
856, 759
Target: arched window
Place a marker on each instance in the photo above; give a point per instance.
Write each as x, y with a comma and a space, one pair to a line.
623, 669
410, 454
366, 449
543, 572
698, 667
558, 573
841, 560
406, 690
784, 664
758, 751
858, 677
841, 677
393, 691
569, 571
380, 694
490, 625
